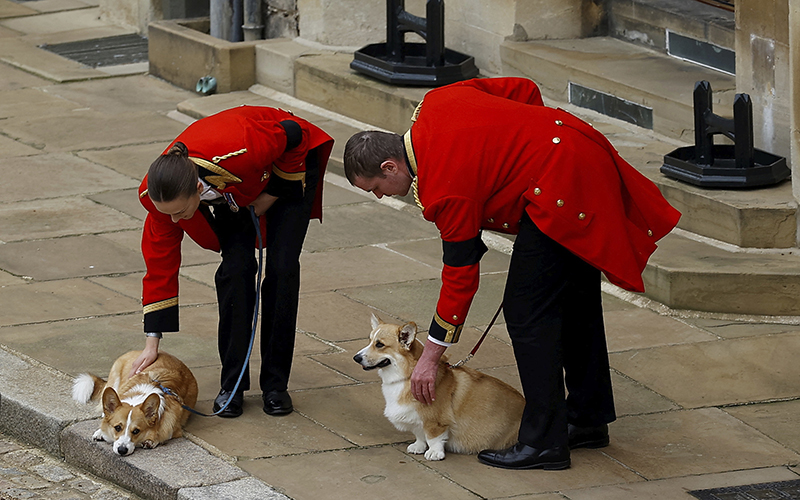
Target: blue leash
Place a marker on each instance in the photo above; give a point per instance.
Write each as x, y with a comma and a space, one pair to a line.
169, 392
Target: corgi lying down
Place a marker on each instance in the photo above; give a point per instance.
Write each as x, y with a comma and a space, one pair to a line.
137, 411
472, 411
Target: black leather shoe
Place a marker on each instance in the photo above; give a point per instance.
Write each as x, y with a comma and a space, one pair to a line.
522, 456
234, 408
587, 437
277, 403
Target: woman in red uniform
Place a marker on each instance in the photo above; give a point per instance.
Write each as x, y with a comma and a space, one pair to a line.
487, 154
203, 185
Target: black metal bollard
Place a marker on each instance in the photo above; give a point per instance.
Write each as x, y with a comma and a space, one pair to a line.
724, 166
401, 63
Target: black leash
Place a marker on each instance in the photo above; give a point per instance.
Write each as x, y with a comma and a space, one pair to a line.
169, 392
475, 349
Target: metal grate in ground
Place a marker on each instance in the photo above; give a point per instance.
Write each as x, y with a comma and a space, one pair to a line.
784, 490
109, 51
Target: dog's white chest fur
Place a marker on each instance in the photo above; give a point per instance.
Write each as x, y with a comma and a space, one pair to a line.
404, 416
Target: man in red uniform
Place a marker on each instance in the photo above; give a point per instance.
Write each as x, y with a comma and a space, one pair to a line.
203, 185
487, 154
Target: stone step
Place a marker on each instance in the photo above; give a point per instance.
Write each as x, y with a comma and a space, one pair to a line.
684, 273
651, 22
761, 218
620, 79
688, 274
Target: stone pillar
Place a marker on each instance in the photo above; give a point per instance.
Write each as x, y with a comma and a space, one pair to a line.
137, 14
763, 69
794, 72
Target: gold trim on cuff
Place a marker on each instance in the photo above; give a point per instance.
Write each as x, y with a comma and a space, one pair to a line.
290, 176
164, 304
453, 331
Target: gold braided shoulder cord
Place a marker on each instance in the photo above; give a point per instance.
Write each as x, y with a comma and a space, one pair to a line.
412, 159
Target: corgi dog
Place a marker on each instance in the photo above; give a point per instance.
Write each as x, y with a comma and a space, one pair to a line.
144, 410
472, 411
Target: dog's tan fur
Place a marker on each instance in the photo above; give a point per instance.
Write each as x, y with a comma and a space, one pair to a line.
138, 405
472, 411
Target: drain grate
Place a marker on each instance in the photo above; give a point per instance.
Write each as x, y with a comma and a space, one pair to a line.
784, 490
109, 51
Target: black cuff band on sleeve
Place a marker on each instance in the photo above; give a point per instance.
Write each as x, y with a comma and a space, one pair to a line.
294, 133
463, 253
163, 320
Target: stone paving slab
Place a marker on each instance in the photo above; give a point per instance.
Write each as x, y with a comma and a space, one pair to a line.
380, 472
132, 161
88, 256
624, 330
118, 96
41, 180
10, 9
56, 217
27, 101
355, 412
692, 442
377, 224
91, 129
774, 419
716, 373
41, 302
414, 300
358, 267
10, 147
269, 436
589, 467
633, 398
676, 489
241, 489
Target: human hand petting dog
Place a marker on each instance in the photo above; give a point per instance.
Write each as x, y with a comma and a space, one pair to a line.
423, 378
146, 358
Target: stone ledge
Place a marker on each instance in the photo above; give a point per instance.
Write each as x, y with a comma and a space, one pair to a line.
172, 42
158, 473
688, 274
36, 402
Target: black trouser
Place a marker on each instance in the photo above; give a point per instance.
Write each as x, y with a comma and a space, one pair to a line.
554, 315
287, 224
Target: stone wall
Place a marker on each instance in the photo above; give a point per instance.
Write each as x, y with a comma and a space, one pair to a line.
762, 69
793, 69
474, 27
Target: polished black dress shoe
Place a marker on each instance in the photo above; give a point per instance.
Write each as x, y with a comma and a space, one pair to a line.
587, 437
277, 403
234, 408
522, 456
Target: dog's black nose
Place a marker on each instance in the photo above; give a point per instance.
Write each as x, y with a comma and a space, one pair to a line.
357, 358
122, 450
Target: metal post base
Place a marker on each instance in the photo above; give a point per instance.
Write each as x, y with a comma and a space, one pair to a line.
767, 170
373, 61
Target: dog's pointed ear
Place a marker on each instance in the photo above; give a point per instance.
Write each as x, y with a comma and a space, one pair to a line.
110, 401
150, 408
375, 321
407, 335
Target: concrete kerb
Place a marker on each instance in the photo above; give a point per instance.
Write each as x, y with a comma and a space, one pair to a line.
36, 407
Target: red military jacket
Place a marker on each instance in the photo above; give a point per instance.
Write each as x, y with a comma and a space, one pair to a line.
240, 153
485, 150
